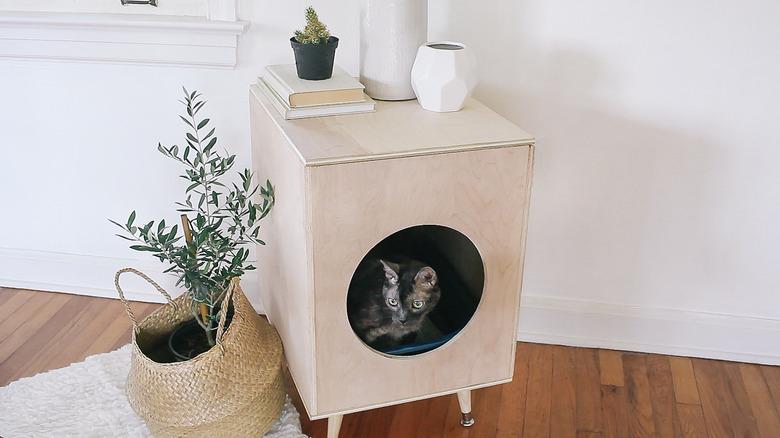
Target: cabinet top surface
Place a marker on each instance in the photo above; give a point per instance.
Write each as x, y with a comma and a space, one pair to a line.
396, 129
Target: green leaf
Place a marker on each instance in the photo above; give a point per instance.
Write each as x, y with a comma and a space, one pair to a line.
117, 224
252, 213
186, 121
131, 219
198, 106
265, 212
203, 123
144, 248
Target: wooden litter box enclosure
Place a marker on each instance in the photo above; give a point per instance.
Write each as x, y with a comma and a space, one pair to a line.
449, 187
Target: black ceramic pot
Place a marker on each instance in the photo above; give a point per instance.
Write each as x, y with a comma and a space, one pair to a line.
315, 61
189, 339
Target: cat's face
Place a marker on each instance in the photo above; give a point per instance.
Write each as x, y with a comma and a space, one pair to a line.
410, 292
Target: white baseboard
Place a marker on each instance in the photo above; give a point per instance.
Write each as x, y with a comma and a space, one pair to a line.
543, 319
92, 275
550, 320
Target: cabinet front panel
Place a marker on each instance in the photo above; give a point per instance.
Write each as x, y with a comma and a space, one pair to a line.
482, 194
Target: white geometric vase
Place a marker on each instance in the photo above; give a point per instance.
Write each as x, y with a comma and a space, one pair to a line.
444, 75
390, 33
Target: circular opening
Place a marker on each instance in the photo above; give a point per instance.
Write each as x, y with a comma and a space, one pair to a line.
445, 46
415, 290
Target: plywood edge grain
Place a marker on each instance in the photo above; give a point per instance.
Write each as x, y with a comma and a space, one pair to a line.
529, 186
419, 152
408, 400
312, 302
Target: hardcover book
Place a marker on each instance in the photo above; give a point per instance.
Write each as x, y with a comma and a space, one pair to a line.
298, 93
365, 106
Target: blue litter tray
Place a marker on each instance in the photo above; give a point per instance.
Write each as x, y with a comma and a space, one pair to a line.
420, 347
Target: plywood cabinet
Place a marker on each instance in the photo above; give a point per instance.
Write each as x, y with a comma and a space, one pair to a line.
346, 183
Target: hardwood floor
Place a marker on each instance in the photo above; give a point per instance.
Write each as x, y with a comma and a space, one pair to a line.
557, 391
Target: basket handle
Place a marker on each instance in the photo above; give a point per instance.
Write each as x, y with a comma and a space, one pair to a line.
223, 315
129, 311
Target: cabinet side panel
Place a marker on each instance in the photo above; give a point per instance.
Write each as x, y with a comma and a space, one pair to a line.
285, 279
484, 195
528, 188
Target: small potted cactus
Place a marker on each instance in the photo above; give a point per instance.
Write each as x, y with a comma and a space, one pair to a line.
314, 49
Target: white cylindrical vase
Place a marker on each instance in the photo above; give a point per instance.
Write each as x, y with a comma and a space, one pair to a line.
444, 75
390, 33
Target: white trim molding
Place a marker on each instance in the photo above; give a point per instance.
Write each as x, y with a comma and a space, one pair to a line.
543, 319
744, 338
92, 275
127, 38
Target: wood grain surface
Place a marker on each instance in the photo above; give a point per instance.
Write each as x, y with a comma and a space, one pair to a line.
556, 392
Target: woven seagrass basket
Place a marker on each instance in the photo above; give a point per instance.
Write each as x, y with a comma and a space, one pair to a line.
235, 389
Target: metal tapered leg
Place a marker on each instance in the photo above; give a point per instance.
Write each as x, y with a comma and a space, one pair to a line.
464, 400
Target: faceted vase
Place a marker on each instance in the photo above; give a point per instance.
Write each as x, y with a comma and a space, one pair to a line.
444, 75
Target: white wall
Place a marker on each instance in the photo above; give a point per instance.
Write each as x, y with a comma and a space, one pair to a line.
653, 224
655, 212
79, 146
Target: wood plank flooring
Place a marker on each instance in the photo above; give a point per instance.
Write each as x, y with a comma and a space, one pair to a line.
557, 391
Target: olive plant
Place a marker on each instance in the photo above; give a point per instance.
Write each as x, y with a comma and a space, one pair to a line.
315, 31
219, 219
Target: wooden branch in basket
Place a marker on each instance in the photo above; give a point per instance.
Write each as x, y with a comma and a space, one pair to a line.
185, 225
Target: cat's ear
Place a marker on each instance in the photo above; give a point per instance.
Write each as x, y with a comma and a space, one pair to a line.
391, 271
426, 277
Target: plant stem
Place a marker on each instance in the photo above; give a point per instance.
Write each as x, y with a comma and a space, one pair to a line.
209, 336
205, 313
202, 163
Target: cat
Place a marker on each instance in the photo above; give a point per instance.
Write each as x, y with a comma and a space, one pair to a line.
389, 301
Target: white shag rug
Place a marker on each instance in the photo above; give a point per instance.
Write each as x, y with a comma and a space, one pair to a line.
87, 399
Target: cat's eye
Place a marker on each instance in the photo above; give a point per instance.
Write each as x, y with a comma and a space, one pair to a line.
392, 301
417, 304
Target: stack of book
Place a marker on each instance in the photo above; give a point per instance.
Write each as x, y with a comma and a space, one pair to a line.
297, 98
